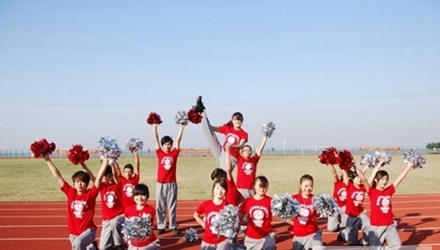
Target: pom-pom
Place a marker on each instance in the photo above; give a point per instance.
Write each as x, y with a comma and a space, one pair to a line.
108, 147
369, 159
414, 156
194, 117
329, 156
382, 154
181, 118
77, 154
325, 205
136, 228
226, 222
154, 118
284, 206
134, 144
191, 235
345, 160
42, 147
268, 129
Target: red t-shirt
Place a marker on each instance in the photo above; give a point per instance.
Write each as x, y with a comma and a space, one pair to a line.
260, 216
246, 171
210, 210
340, 193
355, 198
80, 209
166, 165
233, 136
111, 200
381, 206
305, 222
233, 196
127, 188
131, 211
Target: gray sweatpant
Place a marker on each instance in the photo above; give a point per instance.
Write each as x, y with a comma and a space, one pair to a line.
214, 144
379, 234
336, 222
266, 243
84, 241
313, 241
166, 197
111, 232
350, 233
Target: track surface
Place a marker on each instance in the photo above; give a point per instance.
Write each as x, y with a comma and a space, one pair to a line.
38, 225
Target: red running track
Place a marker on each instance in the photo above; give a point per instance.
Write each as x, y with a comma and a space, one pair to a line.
38, 225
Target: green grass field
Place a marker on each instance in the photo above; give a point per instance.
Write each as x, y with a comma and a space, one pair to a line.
30, 179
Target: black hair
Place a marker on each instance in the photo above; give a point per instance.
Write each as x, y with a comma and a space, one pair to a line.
263, 181
305, 177
82, 176
218, 173
108, 170
379, 175
238, 116
141, 189
129, 166
222, 183
166, 139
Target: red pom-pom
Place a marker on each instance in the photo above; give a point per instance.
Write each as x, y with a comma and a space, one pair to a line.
154, 118
345, 160
194, 116
42, 147
329, 156
77, 154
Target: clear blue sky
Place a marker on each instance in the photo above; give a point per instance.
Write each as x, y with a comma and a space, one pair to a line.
341, 73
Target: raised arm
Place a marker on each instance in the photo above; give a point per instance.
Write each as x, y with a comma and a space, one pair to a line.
115, 170
364, 180
156, 137
240, 144
262, 145
98, 179
377, 168
334, 174
179, 136
403, 174
345, 177
228, 162
137, 162
54, 170
87, 169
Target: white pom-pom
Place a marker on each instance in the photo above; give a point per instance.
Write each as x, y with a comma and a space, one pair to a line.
136, 228
108, 147
191, 235
268, 129
369, 159
134, 144
285, 206
414, 156
325, 205
383, 154
181, 118
226, 222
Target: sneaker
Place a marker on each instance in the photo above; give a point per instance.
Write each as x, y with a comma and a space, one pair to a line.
199, 105
175, 231
160, 231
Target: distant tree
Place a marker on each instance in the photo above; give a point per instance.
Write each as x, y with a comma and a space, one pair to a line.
433, 146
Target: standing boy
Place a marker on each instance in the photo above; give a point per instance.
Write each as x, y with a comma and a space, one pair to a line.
166, 186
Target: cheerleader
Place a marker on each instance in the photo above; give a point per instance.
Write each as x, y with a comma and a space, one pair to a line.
337, 221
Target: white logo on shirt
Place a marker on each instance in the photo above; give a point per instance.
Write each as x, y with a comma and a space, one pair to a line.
304, 213
358, 197
167, 162
258, 214
78, 207
211, 217
342, 193
232, 139
248, 167
128, 190
384, 203
110, 198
